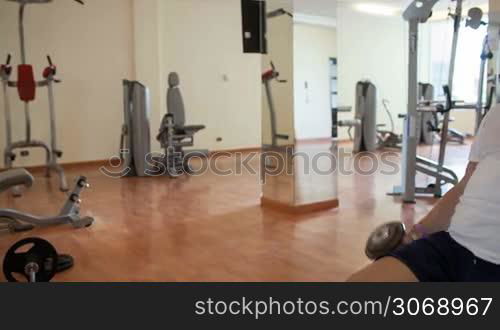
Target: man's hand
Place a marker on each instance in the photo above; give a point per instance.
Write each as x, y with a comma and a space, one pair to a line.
417, 232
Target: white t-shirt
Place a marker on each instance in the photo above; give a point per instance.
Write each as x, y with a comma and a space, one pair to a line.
476, 222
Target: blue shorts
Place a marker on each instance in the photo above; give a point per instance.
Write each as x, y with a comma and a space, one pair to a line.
439, 258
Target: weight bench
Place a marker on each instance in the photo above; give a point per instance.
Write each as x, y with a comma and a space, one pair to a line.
16, 221
174, 134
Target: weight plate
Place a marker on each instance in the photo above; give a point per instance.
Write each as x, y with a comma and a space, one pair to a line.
64, 262
42, 253
384, 240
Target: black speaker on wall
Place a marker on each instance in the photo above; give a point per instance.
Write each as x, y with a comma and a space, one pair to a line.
254, 26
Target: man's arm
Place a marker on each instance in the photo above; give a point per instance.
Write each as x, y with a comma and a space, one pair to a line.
439, 219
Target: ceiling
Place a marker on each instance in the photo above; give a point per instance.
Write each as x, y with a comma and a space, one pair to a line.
328, 8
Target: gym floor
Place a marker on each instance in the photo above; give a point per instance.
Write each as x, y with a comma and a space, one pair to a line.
212, 228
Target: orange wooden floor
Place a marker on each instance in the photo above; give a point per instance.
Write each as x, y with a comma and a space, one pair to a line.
211, 228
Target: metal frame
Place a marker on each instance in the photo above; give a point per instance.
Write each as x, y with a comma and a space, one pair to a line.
52, 152
16, 221
417, 13
368, 135
481, 108
267, 78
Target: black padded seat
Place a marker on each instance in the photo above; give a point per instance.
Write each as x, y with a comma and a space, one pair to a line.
189, 129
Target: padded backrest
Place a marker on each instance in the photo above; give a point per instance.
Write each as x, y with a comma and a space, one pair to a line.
26, 84
175, 103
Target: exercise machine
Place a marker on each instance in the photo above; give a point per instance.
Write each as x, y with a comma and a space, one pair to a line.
474, 20
40, 263
16, 221
418, 13
486, 55
26, 86
368, 135
428, 123
267, 78
135, 142
174, 135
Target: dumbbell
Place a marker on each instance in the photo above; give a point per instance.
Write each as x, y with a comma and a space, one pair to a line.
384, 240
39, 263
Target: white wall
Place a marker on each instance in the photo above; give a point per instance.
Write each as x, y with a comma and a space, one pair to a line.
372, 47
201, 40
92, 47
147, 58
313, 48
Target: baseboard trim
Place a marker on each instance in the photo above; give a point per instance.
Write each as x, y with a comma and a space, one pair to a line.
302, 209
66, 166
236, 150
316, 140
104, 162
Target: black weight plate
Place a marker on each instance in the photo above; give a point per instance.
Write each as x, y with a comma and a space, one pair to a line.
64, 262
384, 240
42, 253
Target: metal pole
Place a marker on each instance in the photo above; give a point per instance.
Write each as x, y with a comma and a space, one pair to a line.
8, 120
272, 112
53, 133
28, 121
410, 130
482, 71
32, 277
23, 61
21, 33
446, 121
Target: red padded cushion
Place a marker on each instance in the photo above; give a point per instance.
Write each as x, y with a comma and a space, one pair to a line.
268, 75
49, 71
26, 84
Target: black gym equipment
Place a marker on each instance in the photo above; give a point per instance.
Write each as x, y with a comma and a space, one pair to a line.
40, 263
384, 240
254, 26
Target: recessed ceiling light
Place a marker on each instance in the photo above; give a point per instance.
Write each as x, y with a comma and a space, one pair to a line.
376, 9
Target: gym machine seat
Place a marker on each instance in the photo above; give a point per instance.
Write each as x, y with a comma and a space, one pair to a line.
174, 134
13, 178
176, 111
